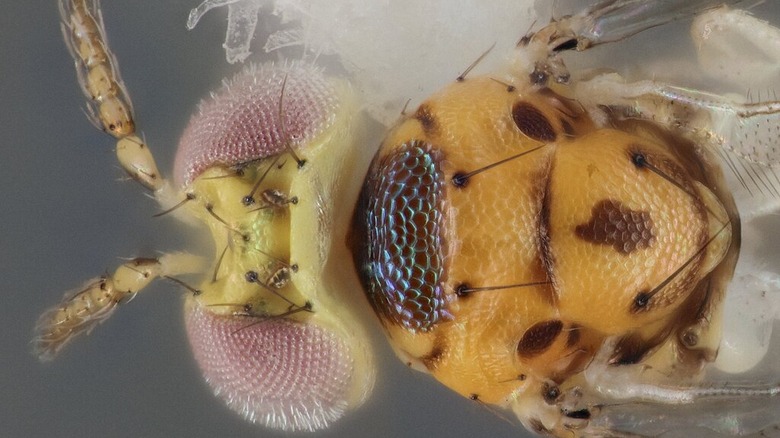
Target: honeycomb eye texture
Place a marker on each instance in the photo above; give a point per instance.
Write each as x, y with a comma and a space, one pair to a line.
279, 373
242, 121
401, 263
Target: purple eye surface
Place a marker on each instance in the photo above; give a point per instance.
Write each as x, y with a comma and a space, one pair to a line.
255, 115
276, 372
282, 372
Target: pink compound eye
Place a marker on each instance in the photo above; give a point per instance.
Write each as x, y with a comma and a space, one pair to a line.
242, 121
279, 373
289, 373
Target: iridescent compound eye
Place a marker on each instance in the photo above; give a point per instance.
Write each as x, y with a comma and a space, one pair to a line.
403, 259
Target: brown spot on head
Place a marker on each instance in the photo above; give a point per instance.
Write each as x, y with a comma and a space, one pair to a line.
538, 338
612, 223
532, 122
426, 118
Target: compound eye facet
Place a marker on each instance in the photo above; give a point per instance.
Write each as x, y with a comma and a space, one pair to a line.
400, 256
262, 111
280, 373
293, 358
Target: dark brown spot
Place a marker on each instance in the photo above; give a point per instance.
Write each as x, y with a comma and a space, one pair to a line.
462, 290
538, 338
614, 224
574, 336
582, 414
550, 393
428, 121
474, 397
569, 44
532, 122
641, 300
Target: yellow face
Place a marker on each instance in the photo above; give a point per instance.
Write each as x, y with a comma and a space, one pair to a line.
502, 236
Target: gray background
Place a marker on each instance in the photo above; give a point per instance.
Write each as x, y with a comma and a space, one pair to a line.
64, 217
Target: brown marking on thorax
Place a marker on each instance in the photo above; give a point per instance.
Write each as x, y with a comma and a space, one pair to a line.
538, 338
532, 122
614, 224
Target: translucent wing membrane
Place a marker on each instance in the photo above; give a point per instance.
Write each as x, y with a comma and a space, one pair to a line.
242, 19
378, 43
747, 134
613, 20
